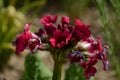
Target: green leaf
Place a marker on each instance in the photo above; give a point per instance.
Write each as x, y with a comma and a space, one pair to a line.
75, 72
35, 69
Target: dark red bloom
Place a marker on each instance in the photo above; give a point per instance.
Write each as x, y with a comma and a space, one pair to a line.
81, 30
96, 45
65, 20
89, 72
34, 43
41, 32
59, 38
49, 25
94, 51
50, 29
89, 69
27, 39
98, 51
101, 53
47, 20
64, 25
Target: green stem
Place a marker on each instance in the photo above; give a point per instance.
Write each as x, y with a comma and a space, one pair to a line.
57, 70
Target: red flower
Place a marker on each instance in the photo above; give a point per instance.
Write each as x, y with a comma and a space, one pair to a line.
48, 22
65, 20
50, 29
27, 39
96, 50
100, 52
34, 43
59, 38
40, 33
81, 30
64, 25
89, 69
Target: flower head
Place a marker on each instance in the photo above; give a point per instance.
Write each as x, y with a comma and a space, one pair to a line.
93, 51
64, 37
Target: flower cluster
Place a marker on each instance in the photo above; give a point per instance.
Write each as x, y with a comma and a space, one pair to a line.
64, 39
27, 40
89, 52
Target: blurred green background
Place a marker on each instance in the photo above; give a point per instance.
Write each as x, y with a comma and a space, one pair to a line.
102, 15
